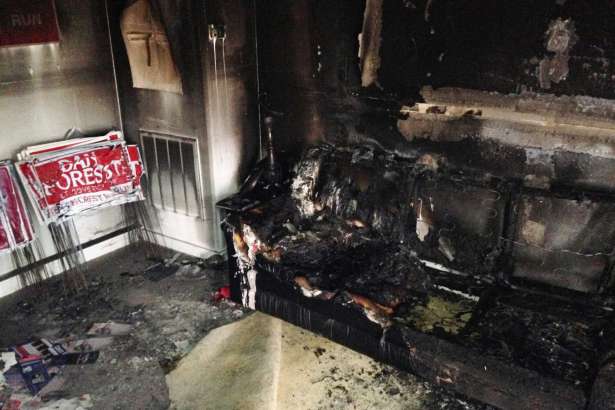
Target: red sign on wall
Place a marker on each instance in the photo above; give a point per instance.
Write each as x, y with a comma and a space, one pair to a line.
24, 22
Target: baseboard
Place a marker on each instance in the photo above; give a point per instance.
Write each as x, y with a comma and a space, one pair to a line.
11, 284
189, 248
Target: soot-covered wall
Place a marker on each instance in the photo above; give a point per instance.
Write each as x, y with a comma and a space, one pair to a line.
217, 107
559, 46
309, 58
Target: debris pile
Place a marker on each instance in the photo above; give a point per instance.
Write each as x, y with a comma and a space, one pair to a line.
132, 328
193, 268
32, 372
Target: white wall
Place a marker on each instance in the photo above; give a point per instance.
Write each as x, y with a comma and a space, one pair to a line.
47, 89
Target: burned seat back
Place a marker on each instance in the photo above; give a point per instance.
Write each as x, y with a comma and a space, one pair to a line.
476, 226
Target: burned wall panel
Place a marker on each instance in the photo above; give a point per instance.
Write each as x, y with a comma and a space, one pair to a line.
46, 89
564, 242
309, 64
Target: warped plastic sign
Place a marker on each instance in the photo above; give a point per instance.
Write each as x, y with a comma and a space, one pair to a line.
66, 178
15, 227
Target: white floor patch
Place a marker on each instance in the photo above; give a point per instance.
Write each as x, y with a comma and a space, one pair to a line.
263, 363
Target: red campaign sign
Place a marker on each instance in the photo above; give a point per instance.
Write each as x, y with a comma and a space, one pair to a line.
87, 172
88, 178
15, 227
33, 188
134, 156
24, 22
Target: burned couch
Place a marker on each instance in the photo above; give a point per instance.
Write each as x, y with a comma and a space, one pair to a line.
500, 292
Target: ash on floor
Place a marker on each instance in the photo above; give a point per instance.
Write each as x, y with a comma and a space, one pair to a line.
170, 315
263, 363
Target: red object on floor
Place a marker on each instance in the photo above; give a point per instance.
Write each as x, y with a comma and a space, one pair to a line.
222, 293
12, 405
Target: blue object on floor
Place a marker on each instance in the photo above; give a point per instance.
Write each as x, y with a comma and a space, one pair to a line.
34, 373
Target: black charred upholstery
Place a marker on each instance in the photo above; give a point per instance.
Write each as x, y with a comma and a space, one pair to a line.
522, 276
342, 198
349, 207
387, 195
355, 196
374, 189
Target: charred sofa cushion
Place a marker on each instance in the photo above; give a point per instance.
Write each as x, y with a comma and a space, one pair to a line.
370, 189
459, 223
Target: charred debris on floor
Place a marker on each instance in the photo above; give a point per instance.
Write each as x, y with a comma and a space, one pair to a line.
50, 336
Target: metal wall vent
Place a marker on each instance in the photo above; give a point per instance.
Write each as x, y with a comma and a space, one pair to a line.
172, 164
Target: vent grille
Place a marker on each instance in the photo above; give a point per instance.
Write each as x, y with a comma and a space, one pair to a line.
173, 172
